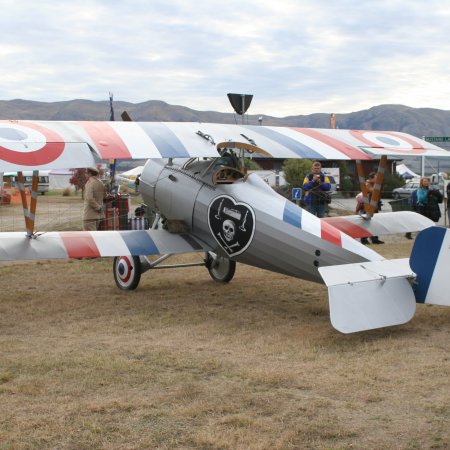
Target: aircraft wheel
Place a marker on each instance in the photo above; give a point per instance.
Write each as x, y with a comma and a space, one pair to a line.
127, 272
220, 269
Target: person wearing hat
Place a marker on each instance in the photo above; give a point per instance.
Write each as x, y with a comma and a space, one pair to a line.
94, 192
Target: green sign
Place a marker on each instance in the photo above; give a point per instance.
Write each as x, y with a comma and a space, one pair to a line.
437, 138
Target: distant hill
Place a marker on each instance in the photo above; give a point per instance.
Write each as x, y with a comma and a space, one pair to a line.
416, 121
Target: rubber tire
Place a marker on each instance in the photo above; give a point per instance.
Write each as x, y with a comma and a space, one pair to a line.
127, 272
220, 269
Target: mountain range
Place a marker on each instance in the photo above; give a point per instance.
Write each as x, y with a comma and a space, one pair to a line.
416, 121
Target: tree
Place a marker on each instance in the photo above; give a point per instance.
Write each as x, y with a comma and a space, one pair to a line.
390, 182
78, 179
249, 164
295, 171
346, 185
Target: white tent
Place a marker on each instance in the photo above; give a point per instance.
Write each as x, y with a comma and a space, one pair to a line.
406, 172
128, 178
132, 173
60, 179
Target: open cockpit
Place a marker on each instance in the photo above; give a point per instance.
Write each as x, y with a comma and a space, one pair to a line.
225, 169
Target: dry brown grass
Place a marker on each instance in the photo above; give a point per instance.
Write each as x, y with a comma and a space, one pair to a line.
183, 362
54, 212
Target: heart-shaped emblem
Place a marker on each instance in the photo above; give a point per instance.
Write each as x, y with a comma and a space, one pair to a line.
232, 224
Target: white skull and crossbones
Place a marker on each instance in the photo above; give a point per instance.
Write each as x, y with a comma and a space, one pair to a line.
229, 230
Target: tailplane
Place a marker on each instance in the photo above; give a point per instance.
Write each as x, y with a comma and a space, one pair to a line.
364, 296
376, 294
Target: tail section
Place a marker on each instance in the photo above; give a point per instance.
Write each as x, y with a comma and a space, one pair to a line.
430, 260
377, 294
369, 295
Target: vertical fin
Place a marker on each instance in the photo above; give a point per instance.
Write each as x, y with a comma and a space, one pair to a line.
430, 260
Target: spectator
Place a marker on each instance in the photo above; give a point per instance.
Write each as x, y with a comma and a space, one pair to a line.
94, 191
316, 186
137, 182
426, 201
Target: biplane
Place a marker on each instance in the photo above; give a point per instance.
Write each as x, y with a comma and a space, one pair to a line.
194, 180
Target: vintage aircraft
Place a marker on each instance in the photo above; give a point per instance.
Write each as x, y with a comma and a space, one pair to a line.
195, 181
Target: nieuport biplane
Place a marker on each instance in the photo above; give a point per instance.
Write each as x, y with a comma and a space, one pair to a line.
195, 181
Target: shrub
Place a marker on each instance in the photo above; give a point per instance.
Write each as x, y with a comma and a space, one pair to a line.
390, 182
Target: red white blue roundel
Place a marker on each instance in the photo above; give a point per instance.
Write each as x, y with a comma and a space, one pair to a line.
389, 139
125, 270
232, 224
29, 144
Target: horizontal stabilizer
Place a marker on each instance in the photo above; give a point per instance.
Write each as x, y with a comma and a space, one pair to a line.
430, 260
93, 244
380, 224
369, 295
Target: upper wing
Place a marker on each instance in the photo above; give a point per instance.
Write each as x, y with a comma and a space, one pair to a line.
45, 145
92, 244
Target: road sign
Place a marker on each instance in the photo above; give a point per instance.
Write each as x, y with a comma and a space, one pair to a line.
437, 138
296, 193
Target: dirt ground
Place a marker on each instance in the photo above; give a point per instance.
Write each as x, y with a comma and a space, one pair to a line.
184, 362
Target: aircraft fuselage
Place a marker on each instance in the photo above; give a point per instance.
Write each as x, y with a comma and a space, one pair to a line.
246, 220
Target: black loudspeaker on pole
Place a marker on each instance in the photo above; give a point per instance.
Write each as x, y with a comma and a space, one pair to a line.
240, 102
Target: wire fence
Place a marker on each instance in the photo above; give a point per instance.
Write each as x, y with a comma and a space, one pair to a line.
53, 213
57, 212
61, 213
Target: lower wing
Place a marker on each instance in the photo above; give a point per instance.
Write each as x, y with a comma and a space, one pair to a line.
380, 224
92, 244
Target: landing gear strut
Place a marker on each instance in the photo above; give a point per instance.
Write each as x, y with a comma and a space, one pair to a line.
128, 269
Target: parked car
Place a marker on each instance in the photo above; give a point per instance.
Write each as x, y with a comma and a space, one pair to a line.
406, 190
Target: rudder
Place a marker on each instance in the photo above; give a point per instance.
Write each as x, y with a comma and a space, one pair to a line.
430, 260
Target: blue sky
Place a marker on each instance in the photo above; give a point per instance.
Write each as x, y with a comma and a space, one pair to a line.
294, 56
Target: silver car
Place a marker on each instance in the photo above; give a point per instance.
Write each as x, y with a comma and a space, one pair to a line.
406, 190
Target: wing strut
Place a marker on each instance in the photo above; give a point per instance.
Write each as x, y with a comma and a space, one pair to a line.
371, 207
29, 214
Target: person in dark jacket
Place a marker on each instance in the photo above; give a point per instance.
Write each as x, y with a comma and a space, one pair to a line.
316, 186
426, 201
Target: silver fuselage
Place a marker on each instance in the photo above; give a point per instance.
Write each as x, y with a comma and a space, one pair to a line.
246, 221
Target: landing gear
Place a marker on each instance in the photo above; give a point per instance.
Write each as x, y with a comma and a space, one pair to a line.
128, 269
220, 269
127, 272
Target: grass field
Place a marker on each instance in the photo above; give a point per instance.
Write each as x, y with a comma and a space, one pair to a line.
184, 362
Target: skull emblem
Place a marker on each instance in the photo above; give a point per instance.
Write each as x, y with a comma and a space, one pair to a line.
228, 230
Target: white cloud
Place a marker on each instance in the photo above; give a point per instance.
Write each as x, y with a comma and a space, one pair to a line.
295, 56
